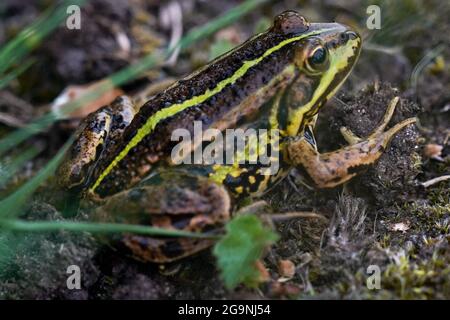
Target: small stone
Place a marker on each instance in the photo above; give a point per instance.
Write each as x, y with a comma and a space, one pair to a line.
286, 268
433, 151
401, 227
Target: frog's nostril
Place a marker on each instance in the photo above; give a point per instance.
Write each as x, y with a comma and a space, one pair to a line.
351, 34
344, 36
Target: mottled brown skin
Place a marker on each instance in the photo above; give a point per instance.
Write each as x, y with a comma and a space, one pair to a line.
183, 202
330, 169
227, 109
98, 133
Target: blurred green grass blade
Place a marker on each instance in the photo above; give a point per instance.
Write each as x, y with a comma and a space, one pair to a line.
421, 65
93, 227
11, 206
6, 79
220, 47
219, 23
29, 38
8, 169
129, 73
20, 135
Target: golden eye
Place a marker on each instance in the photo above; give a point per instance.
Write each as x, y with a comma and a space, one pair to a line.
317, 62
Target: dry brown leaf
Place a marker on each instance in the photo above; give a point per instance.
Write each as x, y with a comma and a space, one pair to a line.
433, 151
264, 275
76, 91
286, 268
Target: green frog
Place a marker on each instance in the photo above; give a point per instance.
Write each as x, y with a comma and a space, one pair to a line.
277, 80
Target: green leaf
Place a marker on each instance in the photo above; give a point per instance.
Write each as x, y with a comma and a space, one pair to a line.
238, 251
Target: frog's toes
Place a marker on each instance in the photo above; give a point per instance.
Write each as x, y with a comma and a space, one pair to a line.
349, 136
379, 134
386, 118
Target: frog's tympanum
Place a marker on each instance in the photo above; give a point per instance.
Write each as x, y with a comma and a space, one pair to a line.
278, 79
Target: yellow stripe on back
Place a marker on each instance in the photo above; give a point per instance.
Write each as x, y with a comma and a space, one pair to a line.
162, 114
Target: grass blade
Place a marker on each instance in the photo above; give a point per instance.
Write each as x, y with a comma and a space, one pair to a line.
10, 167
93, 227
11, 206
29, 38
6, 79
129, 73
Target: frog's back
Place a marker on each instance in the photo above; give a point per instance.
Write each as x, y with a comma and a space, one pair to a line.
219, 95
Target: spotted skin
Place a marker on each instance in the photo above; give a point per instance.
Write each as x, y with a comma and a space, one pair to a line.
182, 202
275, 80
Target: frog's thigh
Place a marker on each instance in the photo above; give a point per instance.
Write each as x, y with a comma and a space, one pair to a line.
333, 168
157, 250
97, 131
194, 205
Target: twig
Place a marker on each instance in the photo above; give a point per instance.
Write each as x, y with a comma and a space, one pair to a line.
428, 183
171, 17
295, 215
10, 120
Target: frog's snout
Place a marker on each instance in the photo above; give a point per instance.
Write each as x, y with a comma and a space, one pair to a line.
350, 34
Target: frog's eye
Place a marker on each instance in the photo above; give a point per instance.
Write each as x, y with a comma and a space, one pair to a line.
317, 61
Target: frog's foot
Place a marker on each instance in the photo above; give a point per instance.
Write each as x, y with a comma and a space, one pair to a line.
96, 134
351, 138
190, 205
330, 169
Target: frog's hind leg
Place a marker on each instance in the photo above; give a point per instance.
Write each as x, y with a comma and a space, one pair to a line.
333, 168
98, 132
156, 250
178, 202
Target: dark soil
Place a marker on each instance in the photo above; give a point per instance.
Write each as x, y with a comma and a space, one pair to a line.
384, 217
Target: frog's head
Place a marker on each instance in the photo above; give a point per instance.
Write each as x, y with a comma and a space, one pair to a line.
324, 54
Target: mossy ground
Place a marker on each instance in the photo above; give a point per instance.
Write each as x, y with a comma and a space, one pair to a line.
385, 217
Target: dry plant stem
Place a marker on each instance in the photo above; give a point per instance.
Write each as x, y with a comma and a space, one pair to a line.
433, 181
279, 217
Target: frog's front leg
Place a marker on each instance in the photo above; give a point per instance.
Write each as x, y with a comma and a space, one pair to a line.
97, 133
330, 169
171, 201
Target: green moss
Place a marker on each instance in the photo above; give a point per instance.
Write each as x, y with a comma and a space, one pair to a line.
410, 279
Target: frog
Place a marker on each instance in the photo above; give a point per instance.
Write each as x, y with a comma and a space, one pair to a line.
120, 161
